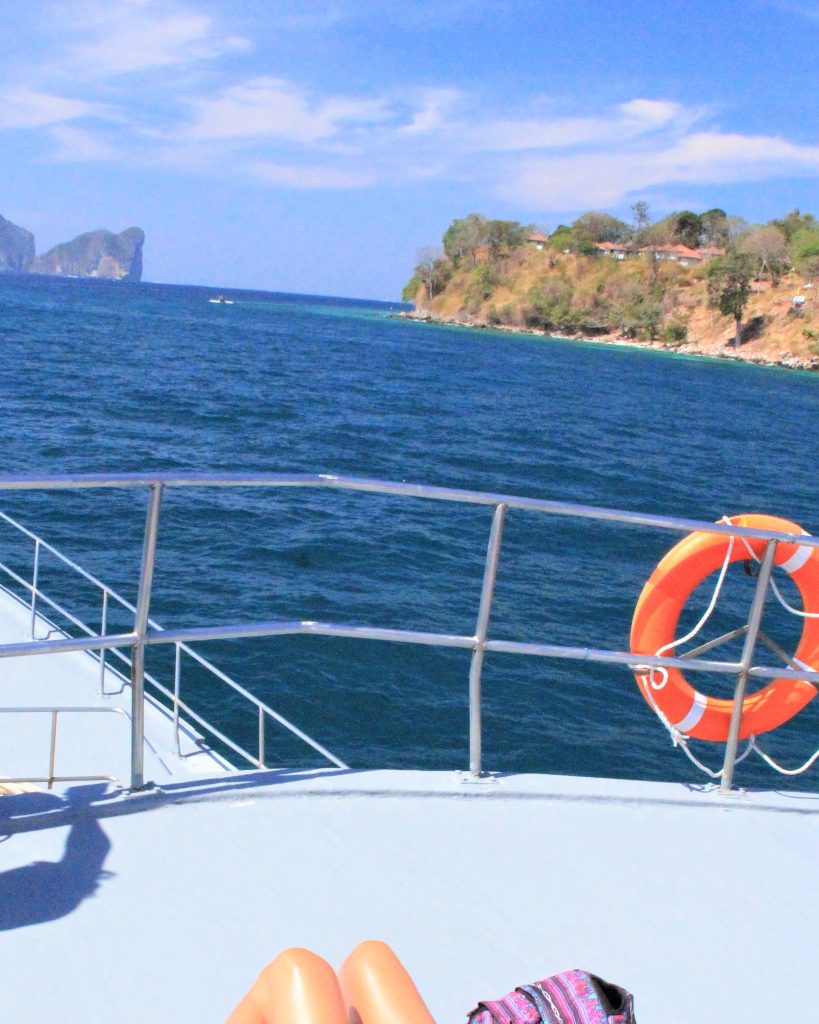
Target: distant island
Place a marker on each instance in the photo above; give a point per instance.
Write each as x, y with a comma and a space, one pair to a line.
705, 284
100, 254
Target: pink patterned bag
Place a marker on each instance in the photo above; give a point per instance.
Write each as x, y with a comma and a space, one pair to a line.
574, 997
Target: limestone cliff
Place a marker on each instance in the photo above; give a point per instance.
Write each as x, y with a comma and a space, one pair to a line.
96, 254
16, 248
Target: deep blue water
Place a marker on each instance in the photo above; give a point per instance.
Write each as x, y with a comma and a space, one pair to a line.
98, 377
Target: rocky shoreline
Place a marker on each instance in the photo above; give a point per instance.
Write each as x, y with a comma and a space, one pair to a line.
787, 360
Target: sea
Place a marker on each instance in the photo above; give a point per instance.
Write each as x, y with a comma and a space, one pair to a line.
102, 377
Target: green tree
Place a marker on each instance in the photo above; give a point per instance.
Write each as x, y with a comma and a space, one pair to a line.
679, 228
502, 236
804, 253
561, 238
661, 232
729, 285
638, 317
463, 238
714, 228
803, 247
687, 229
411, 289
596, 226
550, 305
482, 282
583, 241
674, 334
794, 222
433, 270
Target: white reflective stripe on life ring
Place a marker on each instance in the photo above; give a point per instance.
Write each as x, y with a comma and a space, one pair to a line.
695, 713
797, 559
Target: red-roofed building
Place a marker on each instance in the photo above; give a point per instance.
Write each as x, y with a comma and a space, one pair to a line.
675, 253
614, 249
537, 239
710, 252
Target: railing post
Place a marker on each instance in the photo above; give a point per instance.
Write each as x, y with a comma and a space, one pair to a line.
143, 602
103, 629
481, 629
754, 621
34, 579
53, 750
261, 737
177, 679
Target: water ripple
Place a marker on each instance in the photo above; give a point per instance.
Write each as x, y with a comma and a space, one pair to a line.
98, 378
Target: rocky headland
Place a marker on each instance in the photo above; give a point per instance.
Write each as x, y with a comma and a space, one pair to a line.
96, 254
100, 254
746, 293
16, 248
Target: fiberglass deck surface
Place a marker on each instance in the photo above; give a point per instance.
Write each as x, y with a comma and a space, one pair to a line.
164, 906
168, 913
87, 744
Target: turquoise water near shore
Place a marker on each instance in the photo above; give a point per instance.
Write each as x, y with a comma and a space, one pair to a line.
102, 377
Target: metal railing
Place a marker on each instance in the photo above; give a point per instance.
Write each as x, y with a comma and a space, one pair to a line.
173, 696
145, 632
51, 778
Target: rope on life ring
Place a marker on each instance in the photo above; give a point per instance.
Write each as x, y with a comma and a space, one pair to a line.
679, 573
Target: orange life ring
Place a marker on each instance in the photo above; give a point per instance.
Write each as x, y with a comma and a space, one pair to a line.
658, 610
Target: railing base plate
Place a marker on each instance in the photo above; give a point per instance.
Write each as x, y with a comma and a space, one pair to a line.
484, 779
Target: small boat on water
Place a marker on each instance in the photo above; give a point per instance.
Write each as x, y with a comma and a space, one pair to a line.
222, 301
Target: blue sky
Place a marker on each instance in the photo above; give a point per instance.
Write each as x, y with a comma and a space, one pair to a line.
315, 146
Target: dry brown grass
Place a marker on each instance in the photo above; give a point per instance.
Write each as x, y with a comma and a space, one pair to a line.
780, 334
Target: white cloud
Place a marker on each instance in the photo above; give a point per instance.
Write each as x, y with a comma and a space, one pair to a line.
76, 145
627, 121
711, 156
311, 177
28, 108
548, 133
123, 36
432, 114
271, 107
608, 176
656, 112
195, 120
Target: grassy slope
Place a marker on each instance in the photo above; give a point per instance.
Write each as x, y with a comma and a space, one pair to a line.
780, 336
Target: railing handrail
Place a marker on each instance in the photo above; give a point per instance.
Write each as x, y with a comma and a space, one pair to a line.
66, 560
127, 640
311, 627
146, 631
208, 665
85, 481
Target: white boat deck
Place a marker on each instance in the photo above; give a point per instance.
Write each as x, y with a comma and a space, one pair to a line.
164, 906
87, 744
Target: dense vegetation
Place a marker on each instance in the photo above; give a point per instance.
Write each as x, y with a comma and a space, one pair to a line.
505, 273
